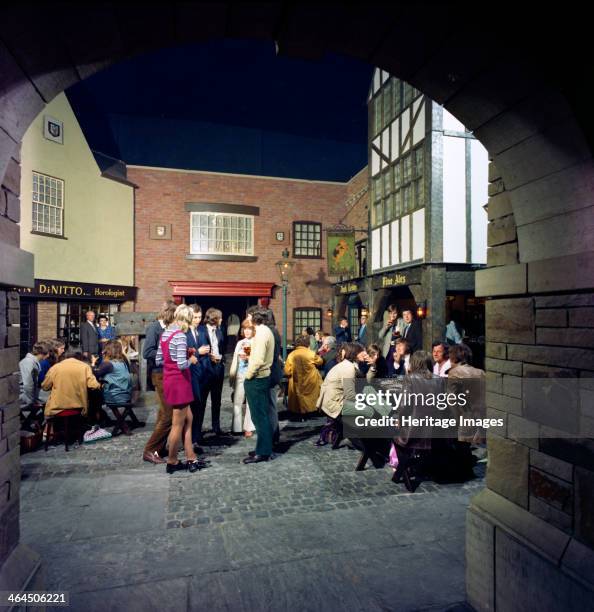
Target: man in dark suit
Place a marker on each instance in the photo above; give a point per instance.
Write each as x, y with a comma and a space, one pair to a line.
211, 372
362, 334
413, 331
193, 342
89, 339
342, 332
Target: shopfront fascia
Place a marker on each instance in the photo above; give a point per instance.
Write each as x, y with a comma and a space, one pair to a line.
55, 308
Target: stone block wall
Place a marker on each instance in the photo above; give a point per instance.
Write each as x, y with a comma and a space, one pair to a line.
540, 488
22, 561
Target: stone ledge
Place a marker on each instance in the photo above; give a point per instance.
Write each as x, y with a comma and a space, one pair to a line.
20, 569
17, 266
502, 280
578, 561
544, 539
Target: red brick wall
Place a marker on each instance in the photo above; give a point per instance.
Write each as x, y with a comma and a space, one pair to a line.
47, 320
355, 212
161, 197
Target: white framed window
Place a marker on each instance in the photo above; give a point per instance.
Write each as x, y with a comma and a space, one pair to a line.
48, 205
306, 317
221, 234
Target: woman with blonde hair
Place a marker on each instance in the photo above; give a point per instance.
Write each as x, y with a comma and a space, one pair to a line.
239, 367
177, 388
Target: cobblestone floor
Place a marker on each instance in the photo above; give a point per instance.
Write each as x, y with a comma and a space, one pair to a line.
302, 532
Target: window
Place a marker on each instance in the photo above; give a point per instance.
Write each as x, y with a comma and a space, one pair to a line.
377, 114
221, 234
71, 315
354, 320
48, 205
307, 239
306, 317
387, 95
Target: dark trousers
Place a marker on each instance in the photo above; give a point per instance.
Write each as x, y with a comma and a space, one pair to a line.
257, 393
212, 386
160, 434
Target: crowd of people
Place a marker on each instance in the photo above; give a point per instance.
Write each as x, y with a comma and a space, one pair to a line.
99, 370
185, 354
186, 360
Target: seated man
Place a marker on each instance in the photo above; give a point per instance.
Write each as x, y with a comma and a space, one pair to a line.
69, 381
29, 373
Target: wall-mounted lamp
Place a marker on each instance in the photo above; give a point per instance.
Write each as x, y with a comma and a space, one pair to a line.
329, 311
422, 310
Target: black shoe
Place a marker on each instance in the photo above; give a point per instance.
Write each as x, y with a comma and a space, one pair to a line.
252, 454
218, 432
197, 464
175, 467
256, 459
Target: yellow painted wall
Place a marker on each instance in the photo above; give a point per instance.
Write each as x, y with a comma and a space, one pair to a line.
98, 212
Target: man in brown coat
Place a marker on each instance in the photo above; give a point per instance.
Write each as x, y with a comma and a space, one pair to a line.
69, 381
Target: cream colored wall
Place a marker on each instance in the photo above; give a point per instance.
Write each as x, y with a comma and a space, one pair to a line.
98, 212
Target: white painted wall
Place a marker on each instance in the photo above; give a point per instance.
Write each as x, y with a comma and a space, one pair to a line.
395, 242
375, 249
418, 234
479, 167
405, 227
454, 200
385, 246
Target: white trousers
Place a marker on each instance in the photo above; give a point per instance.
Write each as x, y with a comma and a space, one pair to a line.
240, 422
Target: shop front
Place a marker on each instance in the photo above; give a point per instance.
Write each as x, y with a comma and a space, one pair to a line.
350, 301
56, 309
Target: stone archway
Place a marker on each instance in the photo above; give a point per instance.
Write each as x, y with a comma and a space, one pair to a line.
493, 76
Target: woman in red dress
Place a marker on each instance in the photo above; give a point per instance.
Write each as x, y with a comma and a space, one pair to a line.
177, 388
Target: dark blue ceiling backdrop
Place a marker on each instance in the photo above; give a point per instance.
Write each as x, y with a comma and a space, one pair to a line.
230, 106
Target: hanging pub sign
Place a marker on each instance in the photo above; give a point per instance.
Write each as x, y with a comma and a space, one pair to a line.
52, 289
341, 251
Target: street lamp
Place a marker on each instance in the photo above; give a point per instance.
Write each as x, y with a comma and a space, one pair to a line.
285, 266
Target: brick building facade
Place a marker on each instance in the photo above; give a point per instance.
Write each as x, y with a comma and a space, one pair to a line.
165, 264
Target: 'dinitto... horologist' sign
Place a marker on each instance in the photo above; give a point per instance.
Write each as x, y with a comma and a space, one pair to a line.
68, 290
341, 252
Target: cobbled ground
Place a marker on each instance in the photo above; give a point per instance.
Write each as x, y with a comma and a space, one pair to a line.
302, 532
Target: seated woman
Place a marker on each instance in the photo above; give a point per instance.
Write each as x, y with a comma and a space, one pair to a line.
375, 365
339, 386
304, 378
115, 374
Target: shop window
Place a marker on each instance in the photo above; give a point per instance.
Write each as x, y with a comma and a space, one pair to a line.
306, 317
47, 205
221, 234
354, 322
307, 239
71, 315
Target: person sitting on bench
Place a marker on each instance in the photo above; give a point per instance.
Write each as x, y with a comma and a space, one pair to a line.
69, 382
338, 387
115, 374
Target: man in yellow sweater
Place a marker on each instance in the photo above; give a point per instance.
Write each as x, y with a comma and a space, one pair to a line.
257, 386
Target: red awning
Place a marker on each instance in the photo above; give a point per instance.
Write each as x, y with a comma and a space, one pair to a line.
180, 288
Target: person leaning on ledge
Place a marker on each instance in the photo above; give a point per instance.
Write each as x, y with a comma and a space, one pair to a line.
257, 385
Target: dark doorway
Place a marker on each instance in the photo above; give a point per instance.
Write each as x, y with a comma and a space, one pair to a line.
233, 309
